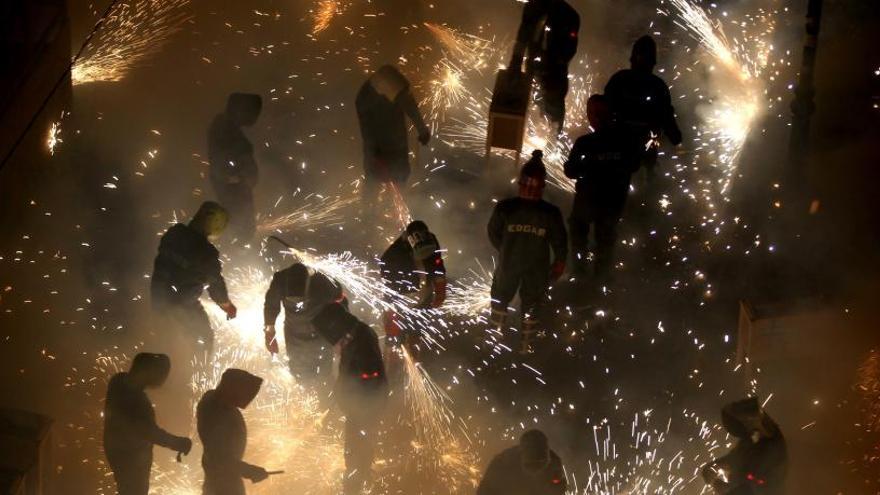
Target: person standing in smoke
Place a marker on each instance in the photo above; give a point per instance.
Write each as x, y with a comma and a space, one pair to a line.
223, 433
361, 389
757, 463
602, 163
413, 266
641, 102
233, 169
383, 104
526, 230
548, 37
130, 428
530, 468
187, 262
301, 291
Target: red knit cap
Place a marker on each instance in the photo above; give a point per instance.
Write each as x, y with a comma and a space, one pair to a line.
533, 177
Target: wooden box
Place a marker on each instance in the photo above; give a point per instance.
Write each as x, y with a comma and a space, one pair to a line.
507, 112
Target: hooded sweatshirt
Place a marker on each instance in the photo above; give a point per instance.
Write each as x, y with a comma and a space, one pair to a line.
302, 292
185, 264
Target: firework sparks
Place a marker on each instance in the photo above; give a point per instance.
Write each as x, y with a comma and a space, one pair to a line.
323, 14
730, 118
316, 211
471, 296
53, 139
468, 50
133, 31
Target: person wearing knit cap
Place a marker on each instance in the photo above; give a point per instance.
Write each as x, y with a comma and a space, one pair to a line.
641, 102
529, 234
361, 389
529, 468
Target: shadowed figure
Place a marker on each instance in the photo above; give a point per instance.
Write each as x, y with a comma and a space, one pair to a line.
757, 463
548, 40
602, 163
413, 266
187, 262
361, 389
130, 428
223, 433
526, 230
383, 104
641, 102
233, 168
529, 468
301, 291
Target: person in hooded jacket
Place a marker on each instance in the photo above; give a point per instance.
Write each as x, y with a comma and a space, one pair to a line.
529, 234
641, 102
530, 468
602, 163
757, 463
383, 104
548, 40
413, 265
301, 291
361, 389
223, 433
130, 428
186, 263
233, 169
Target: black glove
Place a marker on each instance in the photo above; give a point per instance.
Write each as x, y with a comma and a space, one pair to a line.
182, 445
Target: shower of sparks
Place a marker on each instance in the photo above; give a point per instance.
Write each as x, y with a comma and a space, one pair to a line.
316, 211
132, 32
53, 139
868, 386
467, 50
401, 209
323, 14
738, 106
445, 92
442, 446
472, 295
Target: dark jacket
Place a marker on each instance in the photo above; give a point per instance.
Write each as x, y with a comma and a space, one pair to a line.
230, 153
301, 292
526, 231
401, 271
641, 101
556, 46
362, 385
384, 132
130, 428
602, 163
186, 263
505, 476
223, 433
362, 380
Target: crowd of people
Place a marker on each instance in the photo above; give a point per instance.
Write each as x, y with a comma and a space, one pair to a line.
535, 248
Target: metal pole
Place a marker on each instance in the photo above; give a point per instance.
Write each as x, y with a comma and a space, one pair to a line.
803, 106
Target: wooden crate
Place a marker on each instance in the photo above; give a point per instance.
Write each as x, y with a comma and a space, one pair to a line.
507, 112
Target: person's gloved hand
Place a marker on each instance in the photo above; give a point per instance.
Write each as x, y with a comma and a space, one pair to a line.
181, 445
557, 270
439, 292
271, 340
229, 309
254, 473
425, 136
